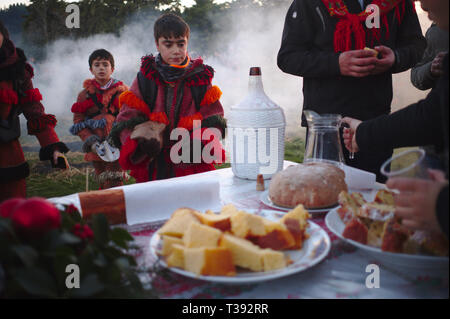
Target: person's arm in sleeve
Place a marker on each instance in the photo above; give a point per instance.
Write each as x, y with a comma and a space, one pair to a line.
297, 55
416, 124
39, 123
411, 43
421, 76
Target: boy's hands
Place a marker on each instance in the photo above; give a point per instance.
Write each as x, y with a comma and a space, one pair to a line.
149, 136
437, 64
357, 63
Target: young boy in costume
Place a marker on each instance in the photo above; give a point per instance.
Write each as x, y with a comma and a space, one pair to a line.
171, 91
18, 96
93, 116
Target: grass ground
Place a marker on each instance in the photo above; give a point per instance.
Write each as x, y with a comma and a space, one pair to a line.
47, 183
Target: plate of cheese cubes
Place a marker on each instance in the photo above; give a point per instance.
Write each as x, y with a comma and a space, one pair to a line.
236, 247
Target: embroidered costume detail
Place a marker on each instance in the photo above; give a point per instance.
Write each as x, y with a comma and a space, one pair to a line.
32, 95
212, 95
8, 96
89, 123
187, 122
351, 25
40, 124
134, 102
203, 78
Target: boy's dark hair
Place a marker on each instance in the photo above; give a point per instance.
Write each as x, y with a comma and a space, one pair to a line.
170, 25
3, 30
101, 54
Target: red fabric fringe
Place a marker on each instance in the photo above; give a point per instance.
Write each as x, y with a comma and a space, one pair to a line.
82, 107
8, 96
40, 124
32, 95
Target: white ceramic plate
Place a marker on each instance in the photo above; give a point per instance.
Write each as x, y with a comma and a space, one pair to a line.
265, 199
314, 250
394, 260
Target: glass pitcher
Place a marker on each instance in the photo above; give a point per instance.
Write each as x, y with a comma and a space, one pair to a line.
323, 143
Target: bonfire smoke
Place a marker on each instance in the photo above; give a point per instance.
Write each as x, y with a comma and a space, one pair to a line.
251, 40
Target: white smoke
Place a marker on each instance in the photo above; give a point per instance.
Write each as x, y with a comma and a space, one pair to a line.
252, 40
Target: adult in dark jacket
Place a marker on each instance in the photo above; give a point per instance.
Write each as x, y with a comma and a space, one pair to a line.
324, 45
423, 204
425, 75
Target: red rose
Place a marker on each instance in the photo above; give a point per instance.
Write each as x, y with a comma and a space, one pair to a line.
83, 231
8, 206
35, 216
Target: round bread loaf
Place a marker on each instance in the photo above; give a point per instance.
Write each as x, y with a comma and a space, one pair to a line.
315, 185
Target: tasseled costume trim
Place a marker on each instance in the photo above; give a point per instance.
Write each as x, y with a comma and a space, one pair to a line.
187, 122
8, 96
40, 124
32, 95
212, 95
134, 102
90, 123
82, 107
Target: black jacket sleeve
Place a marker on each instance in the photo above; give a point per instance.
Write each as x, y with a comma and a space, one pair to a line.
415, 125
411, 44
297, 55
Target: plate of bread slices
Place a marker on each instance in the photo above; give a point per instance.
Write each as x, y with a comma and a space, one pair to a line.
373, 227
239, 247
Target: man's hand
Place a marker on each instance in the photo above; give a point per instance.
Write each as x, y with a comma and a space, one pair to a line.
416, 202
1, 39
437, 66
349, 134
386, 61
357, 63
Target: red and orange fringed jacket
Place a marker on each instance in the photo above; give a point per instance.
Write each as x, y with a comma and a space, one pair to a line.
191, 99
95, 112
18, 96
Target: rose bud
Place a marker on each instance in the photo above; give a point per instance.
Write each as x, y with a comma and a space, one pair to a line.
36, 216
8, 206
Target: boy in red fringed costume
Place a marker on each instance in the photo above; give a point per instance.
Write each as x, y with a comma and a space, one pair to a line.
170, 92
93, 115
18, 96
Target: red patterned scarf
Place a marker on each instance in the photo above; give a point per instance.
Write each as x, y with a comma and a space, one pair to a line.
353, 24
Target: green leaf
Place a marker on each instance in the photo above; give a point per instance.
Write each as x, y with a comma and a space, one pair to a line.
100, 228
121, 237
26, 254
36, 282
89, 286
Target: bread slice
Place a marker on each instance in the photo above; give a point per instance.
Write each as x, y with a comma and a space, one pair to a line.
176, 257
277, 237
245, 225
384, 197
178, 223
198, 235
221, 222
273, 260
167, 244
245, 254
228, 210
209, 261
296, 222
